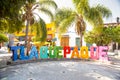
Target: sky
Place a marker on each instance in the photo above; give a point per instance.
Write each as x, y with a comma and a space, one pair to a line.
113, 5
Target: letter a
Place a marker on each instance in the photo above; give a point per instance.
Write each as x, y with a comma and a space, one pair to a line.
75, 53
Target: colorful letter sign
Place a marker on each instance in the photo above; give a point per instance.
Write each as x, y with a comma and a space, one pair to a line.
96, 53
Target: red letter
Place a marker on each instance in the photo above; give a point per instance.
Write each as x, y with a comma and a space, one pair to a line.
66, 51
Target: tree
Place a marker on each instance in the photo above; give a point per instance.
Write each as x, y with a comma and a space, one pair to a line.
9, 15
116, 34
10, 9
10, 20
101, 39
83, 13
30, 19
107, 35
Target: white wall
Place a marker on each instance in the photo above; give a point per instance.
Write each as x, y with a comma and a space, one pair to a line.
72, 38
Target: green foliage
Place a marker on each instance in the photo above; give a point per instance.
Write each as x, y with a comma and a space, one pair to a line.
103, 10
104, 37
48, 4
116, 33
43, 6
10, 8
3, 38
40, 29
3, 26
62, 14
83, 12
82, 7
10, 16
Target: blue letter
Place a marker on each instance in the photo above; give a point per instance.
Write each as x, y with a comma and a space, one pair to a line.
22, 55
33, 53
14, 50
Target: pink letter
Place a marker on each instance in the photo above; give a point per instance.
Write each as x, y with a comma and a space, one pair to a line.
103, 53
94, 55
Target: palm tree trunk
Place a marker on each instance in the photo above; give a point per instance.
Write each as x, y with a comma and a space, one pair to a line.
26, 33
81, 39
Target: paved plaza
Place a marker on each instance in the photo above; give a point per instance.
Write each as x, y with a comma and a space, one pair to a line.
61, 70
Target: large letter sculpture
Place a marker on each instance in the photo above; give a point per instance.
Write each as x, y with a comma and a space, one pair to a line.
75, 53
94, 54
84, 52
22, 54
43, 52
103, 53
14, 50
66, 51
33, 53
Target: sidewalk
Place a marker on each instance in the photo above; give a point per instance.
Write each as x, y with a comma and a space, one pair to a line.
4, 53
5, 56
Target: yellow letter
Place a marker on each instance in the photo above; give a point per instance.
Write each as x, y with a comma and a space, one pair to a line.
84, 52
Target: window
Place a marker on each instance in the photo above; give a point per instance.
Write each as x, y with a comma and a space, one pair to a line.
78, 42
49, 37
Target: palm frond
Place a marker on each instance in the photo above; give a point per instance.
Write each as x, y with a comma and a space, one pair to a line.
62, 14
47, 12
65, 24
83, 7
76, 2
103, 10
94, 17
49, 3
43, 30
40, 29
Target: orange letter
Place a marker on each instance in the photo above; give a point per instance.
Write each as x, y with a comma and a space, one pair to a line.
75, 53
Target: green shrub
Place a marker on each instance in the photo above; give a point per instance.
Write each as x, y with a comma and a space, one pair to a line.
3, 38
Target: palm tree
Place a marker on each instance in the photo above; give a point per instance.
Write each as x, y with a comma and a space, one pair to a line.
30, 19
83, 13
